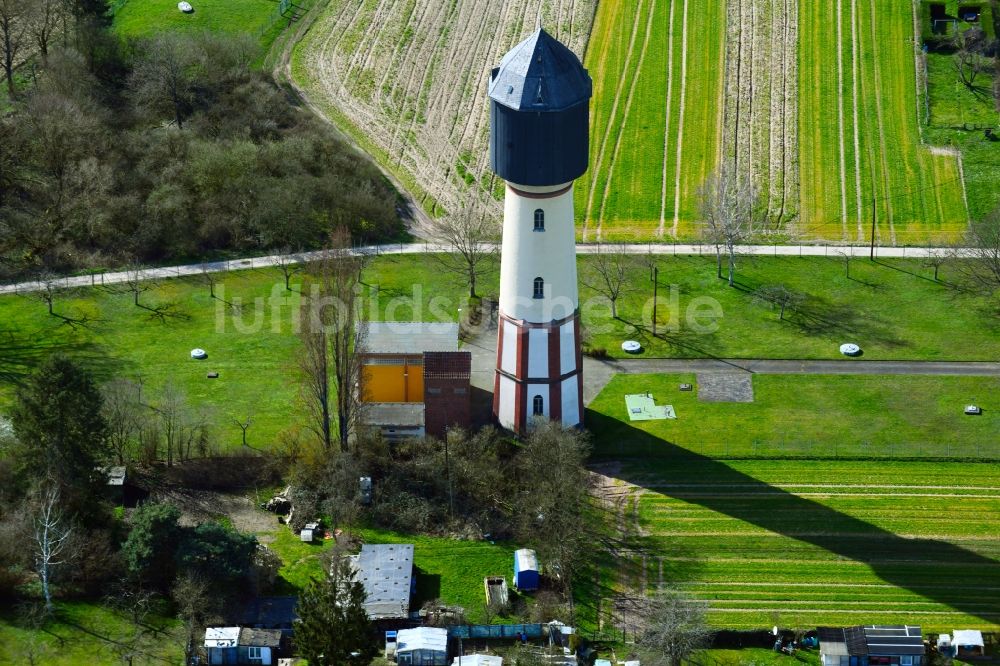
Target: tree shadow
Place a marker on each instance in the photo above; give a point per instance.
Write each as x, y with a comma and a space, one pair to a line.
820, 316
165, 311
943, 573
21, 356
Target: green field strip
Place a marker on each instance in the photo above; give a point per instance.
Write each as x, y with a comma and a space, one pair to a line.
917, 192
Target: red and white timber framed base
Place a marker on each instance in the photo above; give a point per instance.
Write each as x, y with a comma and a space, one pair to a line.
539, 372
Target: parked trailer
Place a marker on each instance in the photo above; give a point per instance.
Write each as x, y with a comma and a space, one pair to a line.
496, 591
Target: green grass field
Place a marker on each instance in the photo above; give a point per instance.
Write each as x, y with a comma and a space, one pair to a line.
807, 416
257, 18
797, 543
892, 309
86, 633
917, 192
639, 50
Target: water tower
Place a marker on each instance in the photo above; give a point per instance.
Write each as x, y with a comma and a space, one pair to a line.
539, 143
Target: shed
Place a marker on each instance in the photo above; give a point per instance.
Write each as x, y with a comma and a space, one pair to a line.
386, 572
968, 642
525, 570
477, 660
242, 645
871, 645
423, 646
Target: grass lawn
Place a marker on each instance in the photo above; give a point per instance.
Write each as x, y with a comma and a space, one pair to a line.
805, 543
254, 352
892, 309
806, 416
84, 633
257, 18
755, 657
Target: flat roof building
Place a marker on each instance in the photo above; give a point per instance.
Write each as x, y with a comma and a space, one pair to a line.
871, 645
386, 572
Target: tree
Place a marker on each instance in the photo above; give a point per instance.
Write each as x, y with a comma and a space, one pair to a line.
979, 261
43, 20
473, 235
195, 605
936, 258
314, 363
136, 282
333, 628
289, 265
52, 532
152, 543
970, 59
217, 554
334, 320
779, 295
164, 77
554, 484
60, 431
673, 627
124, 414
13, 27
608, 271
730, 210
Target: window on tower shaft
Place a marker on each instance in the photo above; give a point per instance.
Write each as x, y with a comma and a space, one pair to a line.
539, 220
538, 406
539, 288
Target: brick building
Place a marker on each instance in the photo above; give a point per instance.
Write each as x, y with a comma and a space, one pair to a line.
414, 381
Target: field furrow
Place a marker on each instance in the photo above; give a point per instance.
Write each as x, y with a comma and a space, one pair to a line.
408, 80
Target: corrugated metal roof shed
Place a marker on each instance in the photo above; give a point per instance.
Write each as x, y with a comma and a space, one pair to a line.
386, 571
526, 560
222, 637
250, 637
422, 638
540, 74
401, 414
965, 637
390, 337
478, 660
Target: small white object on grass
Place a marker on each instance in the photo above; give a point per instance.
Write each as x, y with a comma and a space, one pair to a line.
850, 349
631, 346
185, 7
199, 354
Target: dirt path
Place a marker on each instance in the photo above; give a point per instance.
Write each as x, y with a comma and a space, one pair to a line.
840, 118
666, 126
680, 121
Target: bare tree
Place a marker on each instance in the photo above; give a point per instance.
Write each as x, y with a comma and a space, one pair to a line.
181, 427
124, 413
43, 20
730, 208
473, 234
244, 425
163, 77
314, 363
13, 28
52, 534
136, 282
607, 272
970, 59
673, 627
334, 339
936, 258
289, 265
781, 296
979, 261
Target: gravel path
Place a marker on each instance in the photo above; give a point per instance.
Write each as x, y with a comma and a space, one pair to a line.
167, 272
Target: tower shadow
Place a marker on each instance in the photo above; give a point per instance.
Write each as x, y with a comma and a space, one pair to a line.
941, 572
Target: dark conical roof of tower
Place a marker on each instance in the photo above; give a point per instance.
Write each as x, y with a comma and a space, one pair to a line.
540, 74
